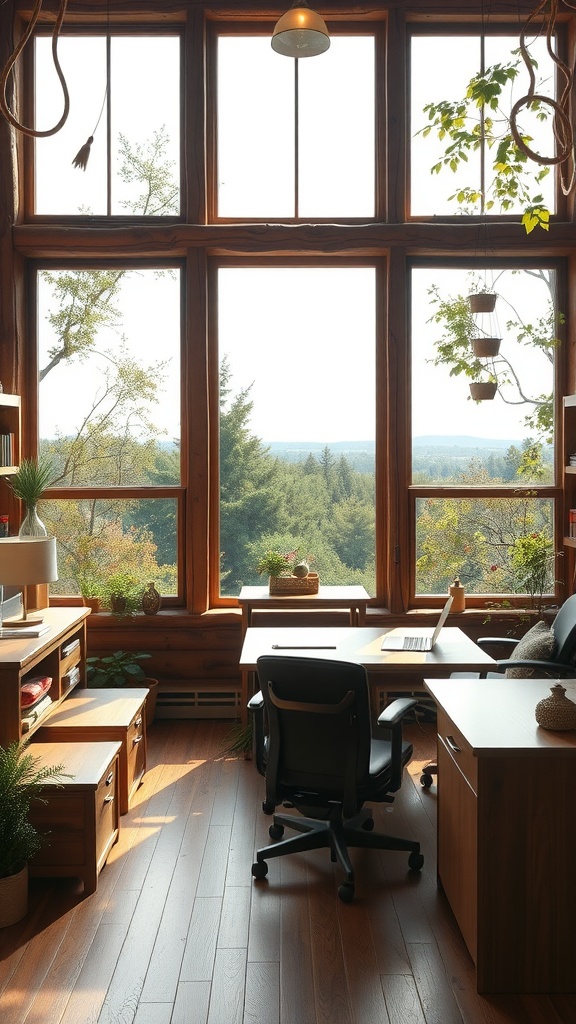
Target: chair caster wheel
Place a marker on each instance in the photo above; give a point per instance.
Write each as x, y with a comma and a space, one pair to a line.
276, 831
260, 869
268, 807
368, 825
415, 861
426, 780
346, 892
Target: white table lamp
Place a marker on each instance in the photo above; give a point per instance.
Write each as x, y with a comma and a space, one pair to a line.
25, 561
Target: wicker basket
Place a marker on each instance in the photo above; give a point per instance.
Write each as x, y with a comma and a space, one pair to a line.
293, 586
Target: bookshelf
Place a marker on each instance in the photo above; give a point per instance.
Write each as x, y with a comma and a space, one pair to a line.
9, 434
569, 484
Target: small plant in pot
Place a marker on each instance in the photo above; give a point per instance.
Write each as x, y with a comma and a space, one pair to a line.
21, 782
121, 669
29, 484
123, 593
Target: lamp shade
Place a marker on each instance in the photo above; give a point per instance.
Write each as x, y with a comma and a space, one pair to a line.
29, 560
300, 33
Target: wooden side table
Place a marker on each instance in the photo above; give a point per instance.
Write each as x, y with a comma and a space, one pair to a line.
107, 714
81, 815
354, 599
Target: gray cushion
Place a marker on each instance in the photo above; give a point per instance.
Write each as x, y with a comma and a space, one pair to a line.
538, 643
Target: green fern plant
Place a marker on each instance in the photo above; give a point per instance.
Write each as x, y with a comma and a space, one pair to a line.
32, 479
21, 782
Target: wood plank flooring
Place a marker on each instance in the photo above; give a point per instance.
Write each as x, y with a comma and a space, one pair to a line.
178, 933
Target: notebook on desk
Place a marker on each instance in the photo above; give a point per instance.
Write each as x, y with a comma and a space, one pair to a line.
396, 639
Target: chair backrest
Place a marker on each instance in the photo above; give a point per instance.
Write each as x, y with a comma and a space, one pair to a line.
319, 729
564, 629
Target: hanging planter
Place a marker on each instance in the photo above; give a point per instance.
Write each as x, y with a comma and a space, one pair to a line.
483, 390
482, 302
486, 347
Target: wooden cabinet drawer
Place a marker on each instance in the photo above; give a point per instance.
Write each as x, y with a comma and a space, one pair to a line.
81, 815
458, 748
106, 715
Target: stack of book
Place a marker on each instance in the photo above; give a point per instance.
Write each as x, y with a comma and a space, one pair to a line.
6, 449
572, 522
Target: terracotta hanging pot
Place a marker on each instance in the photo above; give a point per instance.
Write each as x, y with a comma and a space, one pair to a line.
483, 390
486, 347
482, 302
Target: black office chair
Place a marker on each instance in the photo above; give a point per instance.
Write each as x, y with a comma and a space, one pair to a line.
313, 745
542, 651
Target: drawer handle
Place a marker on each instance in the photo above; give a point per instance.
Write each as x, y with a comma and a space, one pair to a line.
138, 722
110, 779
109, 799
453, 745
137, 739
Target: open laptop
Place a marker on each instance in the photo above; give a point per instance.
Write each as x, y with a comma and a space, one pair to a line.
396, 639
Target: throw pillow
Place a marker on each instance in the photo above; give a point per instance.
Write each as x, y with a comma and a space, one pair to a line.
32, 690
538, 644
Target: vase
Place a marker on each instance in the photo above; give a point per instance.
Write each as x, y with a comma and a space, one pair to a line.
32, 525
556, 712
151, 600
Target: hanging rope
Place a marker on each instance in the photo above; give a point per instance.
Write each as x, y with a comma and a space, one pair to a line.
7, 69
562, 122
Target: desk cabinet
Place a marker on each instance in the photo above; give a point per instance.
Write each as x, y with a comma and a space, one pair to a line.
81, 815
507, 832
56, 653
116, 714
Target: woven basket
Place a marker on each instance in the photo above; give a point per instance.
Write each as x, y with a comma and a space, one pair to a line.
293, 586
13, 897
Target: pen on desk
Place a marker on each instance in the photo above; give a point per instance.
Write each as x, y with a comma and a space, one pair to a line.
303, 647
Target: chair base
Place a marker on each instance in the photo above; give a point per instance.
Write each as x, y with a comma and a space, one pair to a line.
336, 835
428, 771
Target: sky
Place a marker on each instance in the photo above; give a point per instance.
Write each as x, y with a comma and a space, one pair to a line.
302, 340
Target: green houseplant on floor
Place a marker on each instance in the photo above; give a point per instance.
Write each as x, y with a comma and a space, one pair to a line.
21, 782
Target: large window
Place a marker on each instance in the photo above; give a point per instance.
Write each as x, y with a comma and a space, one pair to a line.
133, 163
237, 337
304, 145
457, 173
297, 420
109, 419
502, 446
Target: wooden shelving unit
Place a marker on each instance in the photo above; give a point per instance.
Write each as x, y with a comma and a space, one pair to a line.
10, 424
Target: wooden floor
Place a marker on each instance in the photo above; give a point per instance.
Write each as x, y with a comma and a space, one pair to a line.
178, 933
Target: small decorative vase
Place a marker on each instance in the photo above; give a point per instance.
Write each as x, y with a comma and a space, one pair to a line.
556, 712
32, 525
151, 600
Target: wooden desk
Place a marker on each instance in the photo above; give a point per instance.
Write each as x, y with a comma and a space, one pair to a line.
405, 670
354, 599
43, 655
507, 831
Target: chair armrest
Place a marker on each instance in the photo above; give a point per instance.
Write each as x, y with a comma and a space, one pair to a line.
395, 711
546, 666
504, 641
256, 702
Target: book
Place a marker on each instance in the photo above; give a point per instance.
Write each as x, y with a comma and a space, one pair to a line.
24, 633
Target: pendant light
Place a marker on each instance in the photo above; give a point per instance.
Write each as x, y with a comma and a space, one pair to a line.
300, 32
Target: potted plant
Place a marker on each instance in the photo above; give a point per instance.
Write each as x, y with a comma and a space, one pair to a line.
122, 593
288, 575
29, 484
483, 390
121, 669
21, 782
90, 585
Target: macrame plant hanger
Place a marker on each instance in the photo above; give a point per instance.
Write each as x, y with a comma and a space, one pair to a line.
7, 69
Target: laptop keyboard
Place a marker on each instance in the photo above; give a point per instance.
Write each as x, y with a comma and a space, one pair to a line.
414, 643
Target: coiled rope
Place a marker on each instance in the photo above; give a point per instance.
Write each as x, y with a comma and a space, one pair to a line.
7, 69
562, 126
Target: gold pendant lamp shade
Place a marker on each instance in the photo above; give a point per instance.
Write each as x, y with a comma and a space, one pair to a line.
300, 32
